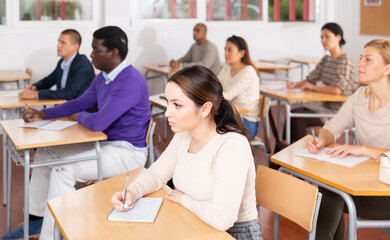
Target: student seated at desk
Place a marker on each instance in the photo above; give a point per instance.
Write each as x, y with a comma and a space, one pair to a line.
209, 157
240, 81
202, 52
122, 96
72, 76
334, 73
368, 109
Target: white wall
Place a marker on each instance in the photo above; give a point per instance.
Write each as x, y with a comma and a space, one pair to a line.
157, 42
347, 14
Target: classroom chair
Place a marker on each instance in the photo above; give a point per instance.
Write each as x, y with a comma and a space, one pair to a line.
289, 197
149, 142
29, 72
257, 142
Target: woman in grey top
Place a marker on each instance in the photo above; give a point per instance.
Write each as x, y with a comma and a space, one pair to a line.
332, 75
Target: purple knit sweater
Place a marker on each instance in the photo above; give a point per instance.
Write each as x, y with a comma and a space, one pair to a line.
124, 109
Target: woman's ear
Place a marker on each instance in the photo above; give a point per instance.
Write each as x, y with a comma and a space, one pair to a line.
206, 109
387, 70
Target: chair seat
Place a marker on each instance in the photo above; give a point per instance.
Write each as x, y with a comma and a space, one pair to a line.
256, 141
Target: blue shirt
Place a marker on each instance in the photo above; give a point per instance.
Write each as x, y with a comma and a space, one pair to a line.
112, 75
65, 65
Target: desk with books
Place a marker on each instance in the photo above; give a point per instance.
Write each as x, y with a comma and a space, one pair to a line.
10, 100
23, 140
83, 215
359, 180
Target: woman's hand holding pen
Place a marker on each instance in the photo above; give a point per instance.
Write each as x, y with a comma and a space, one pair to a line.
117, 201
31, 115
315, 144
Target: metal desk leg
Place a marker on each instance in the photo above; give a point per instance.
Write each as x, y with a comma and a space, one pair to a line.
9, 192
279, 118
4, 161
146, 75
98, 160
288, 122
26, 192
165, 127
276, 226
56, 232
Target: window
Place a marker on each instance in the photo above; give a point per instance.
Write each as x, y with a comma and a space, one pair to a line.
166, 9
3, 19
55, 10
291, 10
236, 10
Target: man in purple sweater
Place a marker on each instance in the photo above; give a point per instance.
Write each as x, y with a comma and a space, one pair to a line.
122, 97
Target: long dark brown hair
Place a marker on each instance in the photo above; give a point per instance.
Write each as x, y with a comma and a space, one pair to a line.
241, 44
201, 85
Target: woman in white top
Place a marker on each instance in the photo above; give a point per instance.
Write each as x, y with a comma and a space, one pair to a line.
368, 109
209, 158
240, 81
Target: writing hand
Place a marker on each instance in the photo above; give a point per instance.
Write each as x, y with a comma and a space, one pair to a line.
315, 144
291, 85
117, 201
31, 115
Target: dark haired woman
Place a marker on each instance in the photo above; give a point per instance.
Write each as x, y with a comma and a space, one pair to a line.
332, 75
209, 157
240, 81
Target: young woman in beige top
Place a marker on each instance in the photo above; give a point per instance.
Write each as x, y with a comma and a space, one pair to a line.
209, 158
240, 81
368, 109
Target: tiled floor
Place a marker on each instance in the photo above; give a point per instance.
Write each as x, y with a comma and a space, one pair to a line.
288, 230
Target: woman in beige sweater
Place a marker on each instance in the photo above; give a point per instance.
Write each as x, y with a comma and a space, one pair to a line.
209, 158
240, 81
368, 109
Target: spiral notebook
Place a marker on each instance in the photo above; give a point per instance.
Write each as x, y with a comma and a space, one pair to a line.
144, 210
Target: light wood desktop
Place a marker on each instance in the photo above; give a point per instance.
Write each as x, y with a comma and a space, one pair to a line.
303, 61
287, 97
15, 102
360, 180
14, 75
159, 70
83, 215
25, 139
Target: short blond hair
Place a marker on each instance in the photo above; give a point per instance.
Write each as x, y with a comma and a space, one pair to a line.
382, 46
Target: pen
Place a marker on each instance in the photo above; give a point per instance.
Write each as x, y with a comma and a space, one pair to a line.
124, 195
314, 139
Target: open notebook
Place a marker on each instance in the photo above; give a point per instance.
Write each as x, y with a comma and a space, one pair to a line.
56, 125
347, 161
144, 210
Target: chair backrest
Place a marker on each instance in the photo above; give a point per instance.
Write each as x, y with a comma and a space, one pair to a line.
149, 142
287, 196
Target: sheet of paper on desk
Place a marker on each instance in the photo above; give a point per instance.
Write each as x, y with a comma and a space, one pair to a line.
56, 125
144, 210
12, 95
283, 87
347, 161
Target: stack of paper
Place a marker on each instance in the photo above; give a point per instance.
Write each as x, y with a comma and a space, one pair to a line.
347, 161
144, 210
56, 125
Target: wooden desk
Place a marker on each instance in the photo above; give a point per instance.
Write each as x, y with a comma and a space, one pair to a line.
303, 61
360, 180
83, 215
286, 97
15, 102
14, 75
270, 67
159, 70
25, 139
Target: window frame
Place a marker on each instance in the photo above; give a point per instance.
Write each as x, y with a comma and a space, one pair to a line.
19, 24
